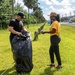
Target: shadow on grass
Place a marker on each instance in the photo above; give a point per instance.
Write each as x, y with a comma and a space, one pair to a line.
49, 71
11, 71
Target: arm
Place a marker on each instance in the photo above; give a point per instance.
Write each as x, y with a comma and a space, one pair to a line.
10, 28
24, 29
50, 32
53, 30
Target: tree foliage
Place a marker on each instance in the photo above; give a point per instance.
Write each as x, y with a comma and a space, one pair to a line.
6, 12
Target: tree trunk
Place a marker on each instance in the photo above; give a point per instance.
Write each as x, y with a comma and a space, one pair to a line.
28, 19
12, 9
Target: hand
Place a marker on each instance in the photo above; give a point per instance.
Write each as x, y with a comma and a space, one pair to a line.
42, 32
19, 33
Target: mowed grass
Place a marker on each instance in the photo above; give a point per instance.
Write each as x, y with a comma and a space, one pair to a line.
41, 52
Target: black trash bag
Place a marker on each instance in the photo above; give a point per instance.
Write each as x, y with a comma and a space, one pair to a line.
22, 50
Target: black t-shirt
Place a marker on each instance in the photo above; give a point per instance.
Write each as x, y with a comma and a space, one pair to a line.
17, 26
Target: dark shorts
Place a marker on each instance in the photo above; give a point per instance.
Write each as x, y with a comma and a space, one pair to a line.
55, 40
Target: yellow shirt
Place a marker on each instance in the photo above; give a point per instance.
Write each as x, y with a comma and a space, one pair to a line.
55, 25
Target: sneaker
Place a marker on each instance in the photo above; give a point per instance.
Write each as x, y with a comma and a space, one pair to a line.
58, 67
51, 65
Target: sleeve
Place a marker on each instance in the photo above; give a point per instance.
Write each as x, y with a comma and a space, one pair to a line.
12, 23
54, 26
21, 23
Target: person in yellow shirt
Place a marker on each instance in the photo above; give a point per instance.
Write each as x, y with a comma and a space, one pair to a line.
54, 39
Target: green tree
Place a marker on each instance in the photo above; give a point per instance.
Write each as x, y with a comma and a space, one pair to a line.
5, 13
13, 8
39, 14
30, 4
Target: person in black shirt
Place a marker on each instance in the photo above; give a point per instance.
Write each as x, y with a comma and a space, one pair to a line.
22, 62
16, 26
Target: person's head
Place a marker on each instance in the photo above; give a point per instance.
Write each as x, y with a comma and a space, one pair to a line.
20, 16
53, 16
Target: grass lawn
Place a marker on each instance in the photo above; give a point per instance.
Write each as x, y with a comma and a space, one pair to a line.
41, 52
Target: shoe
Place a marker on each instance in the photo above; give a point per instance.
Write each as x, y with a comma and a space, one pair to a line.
51, 65
58, 67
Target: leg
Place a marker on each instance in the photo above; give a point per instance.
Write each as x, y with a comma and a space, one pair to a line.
57, 54
51, 52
